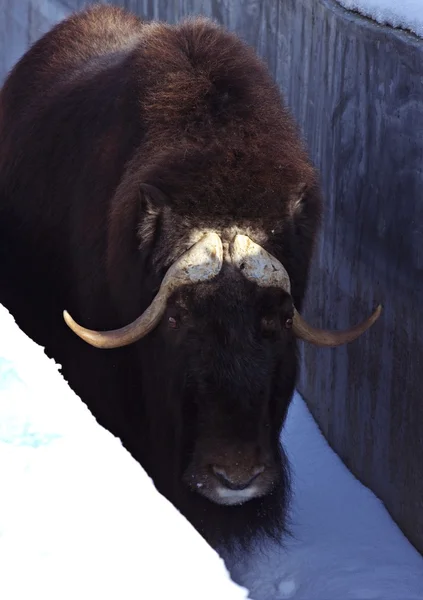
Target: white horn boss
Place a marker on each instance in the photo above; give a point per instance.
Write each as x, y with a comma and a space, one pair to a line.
202, 262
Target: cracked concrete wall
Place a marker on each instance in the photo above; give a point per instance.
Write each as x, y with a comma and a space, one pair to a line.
356, 90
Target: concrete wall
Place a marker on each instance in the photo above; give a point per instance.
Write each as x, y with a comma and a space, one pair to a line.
356, 90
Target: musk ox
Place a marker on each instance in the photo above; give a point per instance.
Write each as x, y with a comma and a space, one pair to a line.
153, 185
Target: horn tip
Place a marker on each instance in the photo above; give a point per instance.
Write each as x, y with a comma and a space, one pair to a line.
67, 318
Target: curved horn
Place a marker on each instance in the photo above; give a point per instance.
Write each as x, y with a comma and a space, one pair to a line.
201, 262
264, 269
324, 337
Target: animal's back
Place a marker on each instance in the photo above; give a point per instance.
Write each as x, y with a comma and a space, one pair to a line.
198, 105
82, 42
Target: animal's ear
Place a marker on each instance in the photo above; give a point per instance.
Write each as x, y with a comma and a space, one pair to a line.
298, 199
154, 196
306, 205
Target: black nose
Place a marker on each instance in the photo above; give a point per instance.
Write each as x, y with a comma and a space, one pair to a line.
236, 481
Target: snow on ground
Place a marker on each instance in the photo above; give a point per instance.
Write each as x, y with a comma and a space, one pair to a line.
345, 545
405, 14
80, 519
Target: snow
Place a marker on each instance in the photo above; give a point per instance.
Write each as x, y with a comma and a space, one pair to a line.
79, 518
405, 14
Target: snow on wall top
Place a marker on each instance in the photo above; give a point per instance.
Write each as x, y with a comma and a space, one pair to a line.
405, 14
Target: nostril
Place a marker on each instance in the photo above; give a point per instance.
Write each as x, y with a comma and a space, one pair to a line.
236, 481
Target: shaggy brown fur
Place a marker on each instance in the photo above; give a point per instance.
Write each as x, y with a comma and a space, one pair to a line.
118, 139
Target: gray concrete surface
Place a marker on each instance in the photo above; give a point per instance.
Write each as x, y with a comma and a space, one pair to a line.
356, 90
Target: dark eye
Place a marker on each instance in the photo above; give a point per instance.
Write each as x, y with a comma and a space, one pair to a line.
173, 323
268, 324
288, 323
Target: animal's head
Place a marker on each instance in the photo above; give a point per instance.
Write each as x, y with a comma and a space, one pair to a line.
225, 326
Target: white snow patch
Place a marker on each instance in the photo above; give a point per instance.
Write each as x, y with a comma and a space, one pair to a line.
79, 518
404, 14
